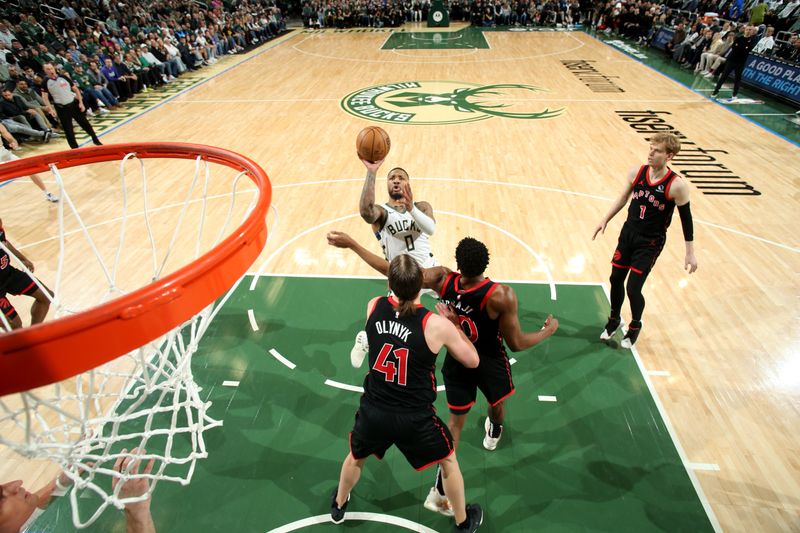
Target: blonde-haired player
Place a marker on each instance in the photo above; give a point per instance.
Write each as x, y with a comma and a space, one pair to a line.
654, 190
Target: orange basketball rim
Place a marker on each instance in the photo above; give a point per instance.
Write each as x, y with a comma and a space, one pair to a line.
56, 350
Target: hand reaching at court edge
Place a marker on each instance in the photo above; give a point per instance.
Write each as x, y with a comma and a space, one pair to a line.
137, 514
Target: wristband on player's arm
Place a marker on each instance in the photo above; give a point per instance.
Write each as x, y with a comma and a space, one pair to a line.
686, 222
425, 223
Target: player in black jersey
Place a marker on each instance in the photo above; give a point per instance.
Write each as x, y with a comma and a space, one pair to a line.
14, 281
400, 388
654, 191
487, 312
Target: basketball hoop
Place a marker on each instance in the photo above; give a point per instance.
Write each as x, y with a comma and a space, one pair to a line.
127, 358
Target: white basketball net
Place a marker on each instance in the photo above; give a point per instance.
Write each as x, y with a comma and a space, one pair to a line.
145, 400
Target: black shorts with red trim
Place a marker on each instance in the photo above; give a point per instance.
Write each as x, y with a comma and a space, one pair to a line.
492, 377
637, 252
7, 309
14, 281
421, 436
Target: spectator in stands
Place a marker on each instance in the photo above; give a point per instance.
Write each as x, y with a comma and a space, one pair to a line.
693, 53
717, 59
6, 35
790, 51
765, 45
757, 13
34, 101
118, 85
93, 94
677, 38
692, 38
15, 108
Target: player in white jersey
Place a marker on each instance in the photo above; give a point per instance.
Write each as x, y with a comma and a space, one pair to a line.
401, 225
6, 156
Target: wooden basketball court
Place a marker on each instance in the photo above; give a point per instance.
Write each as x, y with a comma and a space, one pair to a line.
522, 144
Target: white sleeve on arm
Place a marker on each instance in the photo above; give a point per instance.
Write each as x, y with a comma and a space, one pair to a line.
425, 223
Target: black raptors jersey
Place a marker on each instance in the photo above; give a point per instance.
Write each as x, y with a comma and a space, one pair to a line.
5, 260
650, 212
470, 304
401, 374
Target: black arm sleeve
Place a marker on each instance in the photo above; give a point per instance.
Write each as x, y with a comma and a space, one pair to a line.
686, 222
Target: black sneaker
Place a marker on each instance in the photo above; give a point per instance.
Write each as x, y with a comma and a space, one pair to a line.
337, 514
474, 519
611, 327
632, 334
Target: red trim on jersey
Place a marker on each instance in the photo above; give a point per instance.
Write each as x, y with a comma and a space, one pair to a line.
488, 293
635, 270
510, 382
466, 291
504, 397
350, 444
619, 266
452, 451
449, 445
25, 290
374, 305
666, 189
470, 404
446, 281
425, 320
639, 175
395, 303
5, 303
659, 182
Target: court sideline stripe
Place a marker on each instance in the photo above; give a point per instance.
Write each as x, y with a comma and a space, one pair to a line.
712, 517
695, 91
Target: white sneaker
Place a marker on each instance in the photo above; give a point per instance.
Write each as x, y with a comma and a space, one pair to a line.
360, 350
489, 442
437, 503
89, 112
50, 197
104, 111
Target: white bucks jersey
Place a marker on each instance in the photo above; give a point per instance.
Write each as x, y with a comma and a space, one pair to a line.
401, 235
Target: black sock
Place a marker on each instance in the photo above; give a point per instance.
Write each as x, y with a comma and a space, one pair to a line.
617, 290
634, 290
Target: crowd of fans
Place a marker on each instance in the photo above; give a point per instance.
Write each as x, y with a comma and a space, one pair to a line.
702, 38
113, 51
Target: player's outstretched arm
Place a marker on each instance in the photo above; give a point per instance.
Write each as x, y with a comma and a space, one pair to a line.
371, 213
421, 212
680, 193
619, 203
341, 239
444, 330
504, 303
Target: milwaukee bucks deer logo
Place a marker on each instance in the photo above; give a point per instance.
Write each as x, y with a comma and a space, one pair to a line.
446, 102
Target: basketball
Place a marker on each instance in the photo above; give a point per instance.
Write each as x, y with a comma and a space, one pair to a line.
372, 144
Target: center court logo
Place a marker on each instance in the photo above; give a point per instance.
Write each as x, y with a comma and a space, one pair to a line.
445, 102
